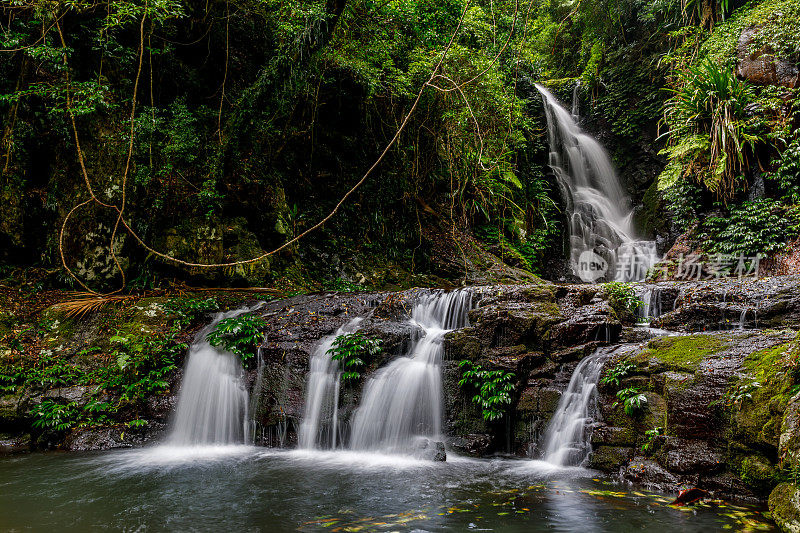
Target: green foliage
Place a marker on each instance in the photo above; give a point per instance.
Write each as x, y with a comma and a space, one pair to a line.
710, 135
651, 435
632, 401
622, 296
737, 396
140, 366
787, 174
55, 416
240, 335
494, 388
187, 310
762, 226
615, 375
349, 349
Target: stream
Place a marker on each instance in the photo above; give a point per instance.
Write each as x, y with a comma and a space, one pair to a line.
245, 488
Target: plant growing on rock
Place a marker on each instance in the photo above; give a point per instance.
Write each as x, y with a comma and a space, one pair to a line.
494, 388
348, 350
614, 376
240, 335
622, 297
51, 415
710, 137
632, 400
651, 435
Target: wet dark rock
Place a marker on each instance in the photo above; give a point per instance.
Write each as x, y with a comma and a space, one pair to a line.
789, 442
730, 486
729, 304
649, 473
14, 443
431, 450
476, 445
690, 456
107, 438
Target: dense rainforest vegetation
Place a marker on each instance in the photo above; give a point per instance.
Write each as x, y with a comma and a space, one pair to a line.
214, 132
289, 191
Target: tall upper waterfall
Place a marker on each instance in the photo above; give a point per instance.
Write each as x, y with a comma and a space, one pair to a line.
213, 401
320, 421
567, 439
599, 215
403, 401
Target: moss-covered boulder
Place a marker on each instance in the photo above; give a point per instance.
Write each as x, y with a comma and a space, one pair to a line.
784, 504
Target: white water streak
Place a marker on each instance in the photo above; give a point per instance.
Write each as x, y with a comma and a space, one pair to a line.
213, 402
567, 440
598, 210
402, 402
320, 416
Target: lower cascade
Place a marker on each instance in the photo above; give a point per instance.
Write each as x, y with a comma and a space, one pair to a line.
401, 407
213, 402
320, 421
567, 440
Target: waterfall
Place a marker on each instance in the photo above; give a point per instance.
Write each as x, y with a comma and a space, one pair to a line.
320, 416
603, 238
213, 402
567, 439
401, 409
651, 303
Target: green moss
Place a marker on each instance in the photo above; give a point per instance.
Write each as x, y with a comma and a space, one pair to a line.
758, 419
610, 458
784, 504
681, 352
758, 473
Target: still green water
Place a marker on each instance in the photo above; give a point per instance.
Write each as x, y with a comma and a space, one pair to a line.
254, 489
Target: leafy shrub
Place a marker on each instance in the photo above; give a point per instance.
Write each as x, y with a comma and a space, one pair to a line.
55, 416
632, 400
187, 310
788, 173
622, 296
760, 226
348, 350
709, 135
651, 435
494, 388
240, 335
615, 375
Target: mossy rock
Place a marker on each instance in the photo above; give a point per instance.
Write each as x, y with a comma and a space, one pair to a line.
671, 383
679, 353
463, 344
758, 420
784, 504
610, 458
757, 472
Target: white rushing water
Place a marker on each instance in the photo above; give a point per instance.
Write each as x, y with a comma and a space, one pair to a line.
319, 428
599, 215
213, 402
567, 439
401, 407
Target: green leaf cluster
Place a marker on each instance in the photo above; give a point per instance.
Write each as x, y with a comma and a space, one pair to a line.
632, 401
240, 335
350, 349
494, 388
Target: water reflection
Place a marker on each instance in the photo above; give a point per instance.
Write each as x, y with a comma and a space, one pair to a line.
253, 489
